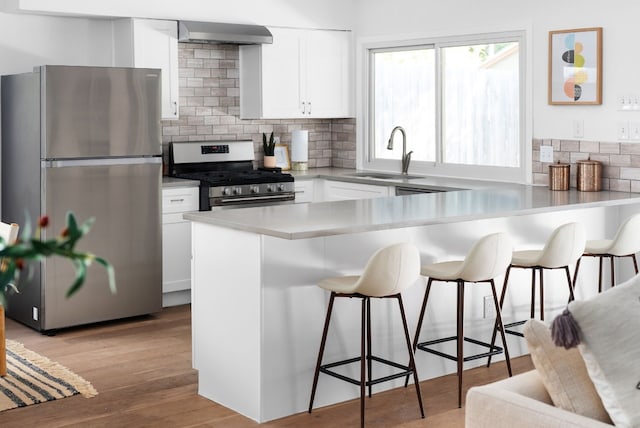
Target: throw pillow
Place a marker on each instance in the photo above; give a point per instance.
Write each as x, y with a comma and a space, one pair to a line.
563, 374
608, 332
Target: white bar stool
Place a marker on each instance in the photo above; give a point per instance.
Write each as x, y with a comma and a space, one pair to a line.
626, 243
389, 271
564, 247
486, 260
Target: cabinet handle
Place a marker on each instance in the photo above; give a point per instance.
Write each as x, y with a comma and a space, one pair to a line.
309, 107
304, 108
177, 200
175, 108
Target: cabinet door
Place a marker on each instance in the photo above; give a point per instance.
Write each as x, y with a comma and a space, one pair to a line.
326, 68
304, 191
281, 75
156, 46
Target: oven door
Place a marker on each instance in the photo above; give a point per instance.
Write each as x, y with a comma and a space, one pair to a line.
251, 201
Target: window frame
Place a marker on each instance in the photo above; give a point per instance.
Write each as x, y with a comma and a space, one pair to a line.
438, 168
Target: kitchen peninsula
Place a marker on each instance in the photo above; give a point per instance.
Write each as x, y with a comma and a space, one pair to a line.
257, 313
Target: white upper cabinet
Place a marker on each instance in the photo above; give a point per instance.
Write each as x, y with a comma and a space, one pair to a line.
151, 43
303, 74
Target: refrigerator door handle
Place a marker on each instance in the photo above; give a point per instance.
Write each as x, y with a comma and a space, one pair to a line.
62, 163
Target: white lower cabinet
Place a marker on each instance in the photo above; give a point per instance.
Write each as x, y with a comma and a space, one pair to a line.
305, 191
176, 244
341, 190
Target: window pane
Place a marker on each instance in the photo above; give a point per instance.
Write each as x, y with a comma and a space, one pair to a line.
404, 95
481, 105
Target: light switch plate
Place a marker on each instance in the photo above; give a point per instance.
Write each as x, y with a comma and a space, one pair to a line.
623, 130
578, 128
546, 154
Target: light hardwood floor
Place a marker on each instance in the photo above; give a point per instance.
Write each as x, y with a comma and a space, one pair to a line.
142, 370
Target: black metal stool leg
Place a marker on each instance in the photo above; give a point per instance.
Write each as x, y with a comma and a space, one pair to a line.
321, 351
541, 271
369, 350
501, 324
613, 272
571, 295
362, 359
635, 262
420, 319
412, 361
502, 296
460, 338
575, 273
533, 292
600, 274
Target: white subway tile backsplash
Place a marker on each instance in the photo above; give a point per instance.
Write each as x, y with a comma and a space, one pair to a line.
209, 110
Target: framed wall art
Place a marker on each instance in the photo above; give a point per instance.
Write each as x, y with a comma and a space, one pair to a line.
281, 152
575, 66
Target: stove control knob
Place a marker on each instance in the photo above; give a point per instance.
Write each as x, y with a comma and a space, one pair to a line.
255, 189
270, 188
237, 190
226, 191
280, 187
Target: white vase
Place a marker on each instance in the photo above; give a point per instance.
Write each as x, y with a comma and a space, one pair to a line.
269, 161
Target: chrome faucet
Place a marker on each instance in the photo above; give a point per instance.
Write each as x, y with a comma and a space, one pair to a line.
406, 157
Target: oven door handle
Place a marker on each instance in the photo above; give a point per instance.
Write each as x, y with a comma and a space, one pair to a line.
252, 198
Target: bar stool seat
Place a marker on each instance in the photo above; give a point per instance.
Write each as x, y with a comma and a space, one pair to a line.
563, 248
626, 243
389, 271
487, 259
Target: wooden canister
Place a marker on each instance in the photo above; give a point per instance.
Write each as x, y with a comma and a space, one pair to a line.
559, 176
589, 175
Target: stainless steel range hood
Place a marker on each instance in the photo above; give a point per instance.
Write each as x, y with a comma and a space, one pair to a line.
217, 32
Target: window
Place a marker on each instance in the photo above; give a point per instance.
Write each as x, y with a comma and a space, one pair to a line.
459, 101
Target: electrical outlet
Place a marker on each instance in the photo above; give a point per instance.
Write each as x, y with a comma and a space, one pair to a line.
489, 307
578, 128
623, 130
546, 154
634, 131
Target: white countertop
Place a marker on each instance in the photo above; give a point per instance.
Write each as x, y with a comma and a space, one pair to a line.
168, 182
309, 220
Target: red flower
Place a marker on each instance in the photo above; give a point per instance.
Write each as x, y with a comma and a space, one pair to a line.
43, 221
20, 264
65, 232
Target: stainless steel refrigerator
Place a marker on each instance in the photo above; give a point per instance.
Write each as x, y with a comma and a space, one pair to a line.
86, 140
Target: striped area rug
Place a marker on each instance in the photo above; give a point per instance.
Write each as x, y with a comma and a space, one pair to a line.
32, 378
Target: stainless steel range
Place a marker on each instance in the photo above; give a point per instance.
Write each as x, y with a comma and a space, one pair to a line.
227, 176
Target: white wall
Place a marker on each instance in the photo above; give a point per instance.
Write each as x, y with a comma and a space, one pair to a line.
28, 40
380, 18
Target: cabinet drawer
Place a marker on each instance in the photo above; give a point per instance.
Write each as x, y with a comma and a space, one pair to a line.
179, 199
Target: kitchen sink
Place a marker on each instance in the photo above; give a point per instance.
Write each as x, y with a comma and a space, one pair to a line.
385, 176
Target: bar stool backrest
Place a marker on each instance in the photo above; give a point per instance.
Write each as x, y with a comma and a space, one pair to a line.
627, 239
564, 246
488, 258
389, 271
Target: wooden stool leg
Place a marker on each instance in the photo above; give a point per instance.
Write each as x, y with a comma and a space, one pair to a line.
420, 319
575, 273
460, 329
3, 348
635, 262
321, 351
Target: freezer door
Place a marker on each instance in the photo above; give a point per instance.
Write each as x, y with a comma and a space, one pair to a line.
100, 111
125, 200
